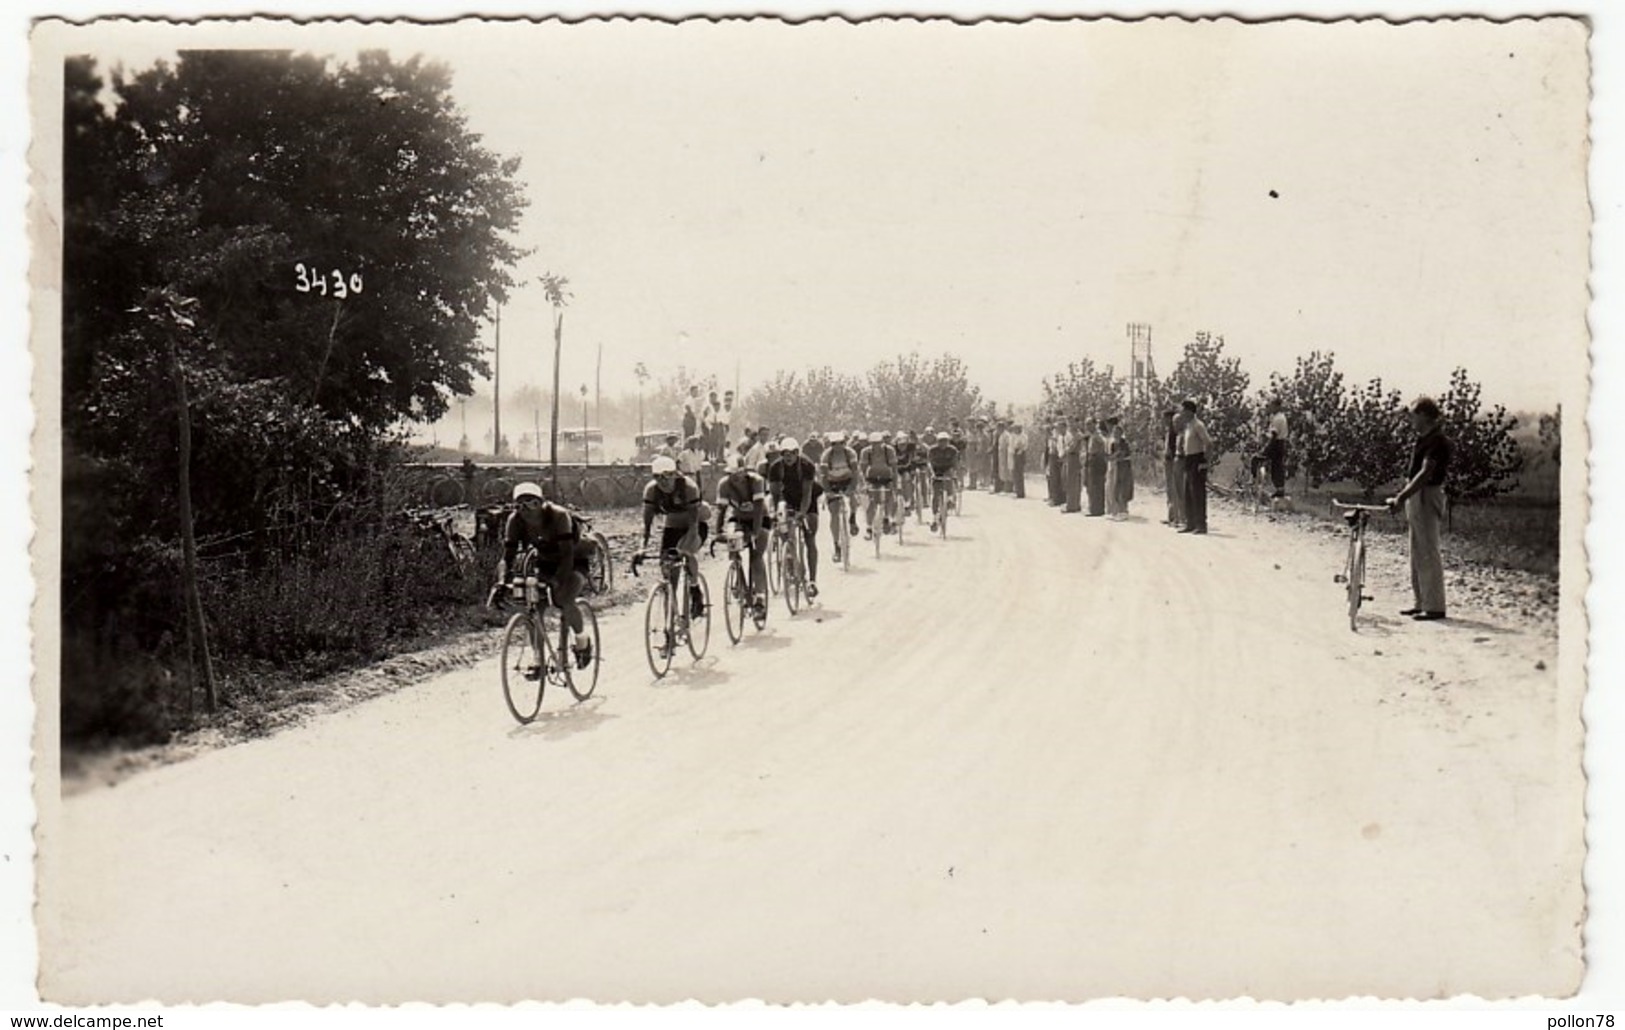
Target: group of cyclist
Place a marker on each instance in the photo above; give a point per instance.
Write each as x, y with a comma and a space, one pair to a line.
769, 478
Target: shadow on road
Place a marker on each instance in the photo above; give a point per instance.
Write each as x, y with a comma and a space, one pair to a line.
566, 722
702, 675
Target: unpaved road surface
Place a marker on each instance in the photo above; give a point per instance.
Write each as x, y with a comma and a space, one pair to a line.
1050, 758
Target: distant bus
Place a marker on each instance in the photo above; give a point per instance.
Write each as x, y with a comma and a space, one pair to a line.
581, 442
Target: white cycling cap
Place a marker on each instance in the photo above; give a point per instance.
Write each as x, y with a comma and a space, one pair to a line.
528, 490
790, 444
663, 466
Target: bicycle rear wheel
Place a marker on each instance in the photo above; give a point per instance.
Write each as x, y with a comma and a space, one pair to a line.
1356, 584
658, 640
600, 566
699, 626
583, 681
523, 677
735, 601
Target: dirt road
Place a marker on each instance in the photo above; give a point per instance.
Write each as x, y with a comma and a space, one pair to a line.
1051, 758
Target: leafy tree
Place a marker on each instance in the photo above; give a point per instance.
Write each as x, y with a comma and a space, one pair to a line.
1313, 398
1485, 459
1082, 391
912, 392
1551, 435
1220, 386
1371, 438
819, 399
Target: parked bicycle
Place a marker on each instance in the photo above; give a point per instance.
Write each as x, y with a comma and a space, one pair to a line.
537, 648
738, 602
1358, 517
669, 619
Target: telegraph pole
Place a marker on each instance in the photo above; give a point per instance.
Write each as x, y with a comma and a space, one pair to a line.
496, 388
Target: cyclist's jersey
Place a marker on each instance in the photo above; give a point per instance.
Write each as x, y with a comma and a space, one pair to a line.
959, 440
744, 496
679, 507
905, 455
838, 465
796, 482
813, 450
943, 458
878, 462
550, 529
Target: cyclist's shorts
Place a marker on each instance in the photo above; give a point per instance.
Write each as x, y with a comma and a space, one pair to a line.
880, 481
841, 488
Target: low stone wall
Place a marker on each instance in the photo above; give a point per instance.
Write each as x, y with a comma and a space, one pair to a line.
446, 484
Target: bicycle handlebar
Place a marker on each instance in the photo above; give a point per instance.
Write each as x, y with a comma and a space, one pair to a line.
673, 555
1340, 506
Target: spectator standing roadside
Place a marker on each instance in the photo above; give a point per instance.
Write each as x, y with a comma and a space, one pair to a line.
671, 448
691, 459
708, 427
1423, 501
1275, 447
1173, 469
725, 421
976, 451
1073, 444
1095, 467
1018, 460
691, 412
1195, 442
1052, 465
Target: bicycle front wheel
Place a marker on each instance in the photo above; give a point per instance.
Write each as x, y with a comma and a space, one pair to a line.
583, 680
775, 559
523, 678
735, 598
791, 577
1356, 584
658, 639
699, 625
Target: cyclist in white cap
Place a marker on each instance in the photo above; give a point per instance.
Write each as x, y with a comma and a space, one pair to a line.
676, 498
878, 466
794, 482
555, 534
838, 469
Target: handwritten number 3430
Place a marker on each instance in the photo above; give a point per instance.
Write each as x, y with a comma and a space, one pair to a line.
309, 280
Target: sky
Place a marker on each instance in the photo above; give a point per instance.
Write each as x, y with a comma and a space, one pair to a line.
757, 196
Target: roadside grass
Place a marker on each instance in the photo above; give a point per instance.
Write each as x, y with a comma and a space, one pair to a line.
286, 638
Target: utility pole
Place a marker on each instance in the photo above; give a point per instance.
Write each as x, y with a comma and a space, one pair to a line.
598, 390
496, 388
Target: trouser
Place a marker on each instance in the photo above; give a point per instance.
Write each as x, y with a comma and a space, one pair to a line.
1073, 477
1275, 457
809, 533
1096, 475
1052, 479
1114, 493
1018, 475
688, 542
1424, 511
973, 472
1196, 491
1125, 483
994, 470
1174, 474
756, 538
875, 486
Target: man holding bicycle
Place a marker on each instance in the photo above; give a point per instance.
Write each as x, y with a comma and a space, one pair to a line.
555, 535
794, 483
1423, 501
742, 500
676, 498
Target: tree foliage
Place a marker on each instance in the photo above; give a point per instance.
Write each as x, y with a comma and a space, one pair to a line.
1551, 435
1313, 398
1486, 458
1082, 391
1219, 385
1372, 438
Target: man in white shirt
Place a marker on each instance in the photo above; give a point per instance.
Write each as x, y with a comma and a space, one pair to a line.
1275, 446
1196, 443
725, 421
691, 412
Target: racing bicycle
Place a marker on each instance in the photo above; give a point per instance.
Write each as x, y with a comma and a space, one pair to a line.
1358, 517
669, 620
738, 601
537, 648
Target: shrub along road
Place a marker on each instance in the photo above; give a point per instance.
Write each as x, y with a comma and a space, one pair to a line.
1050, 758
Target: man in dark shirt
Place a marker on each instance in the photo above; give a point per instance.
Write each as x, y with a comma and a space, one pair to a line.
794, 484
549, 530
1423, 501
